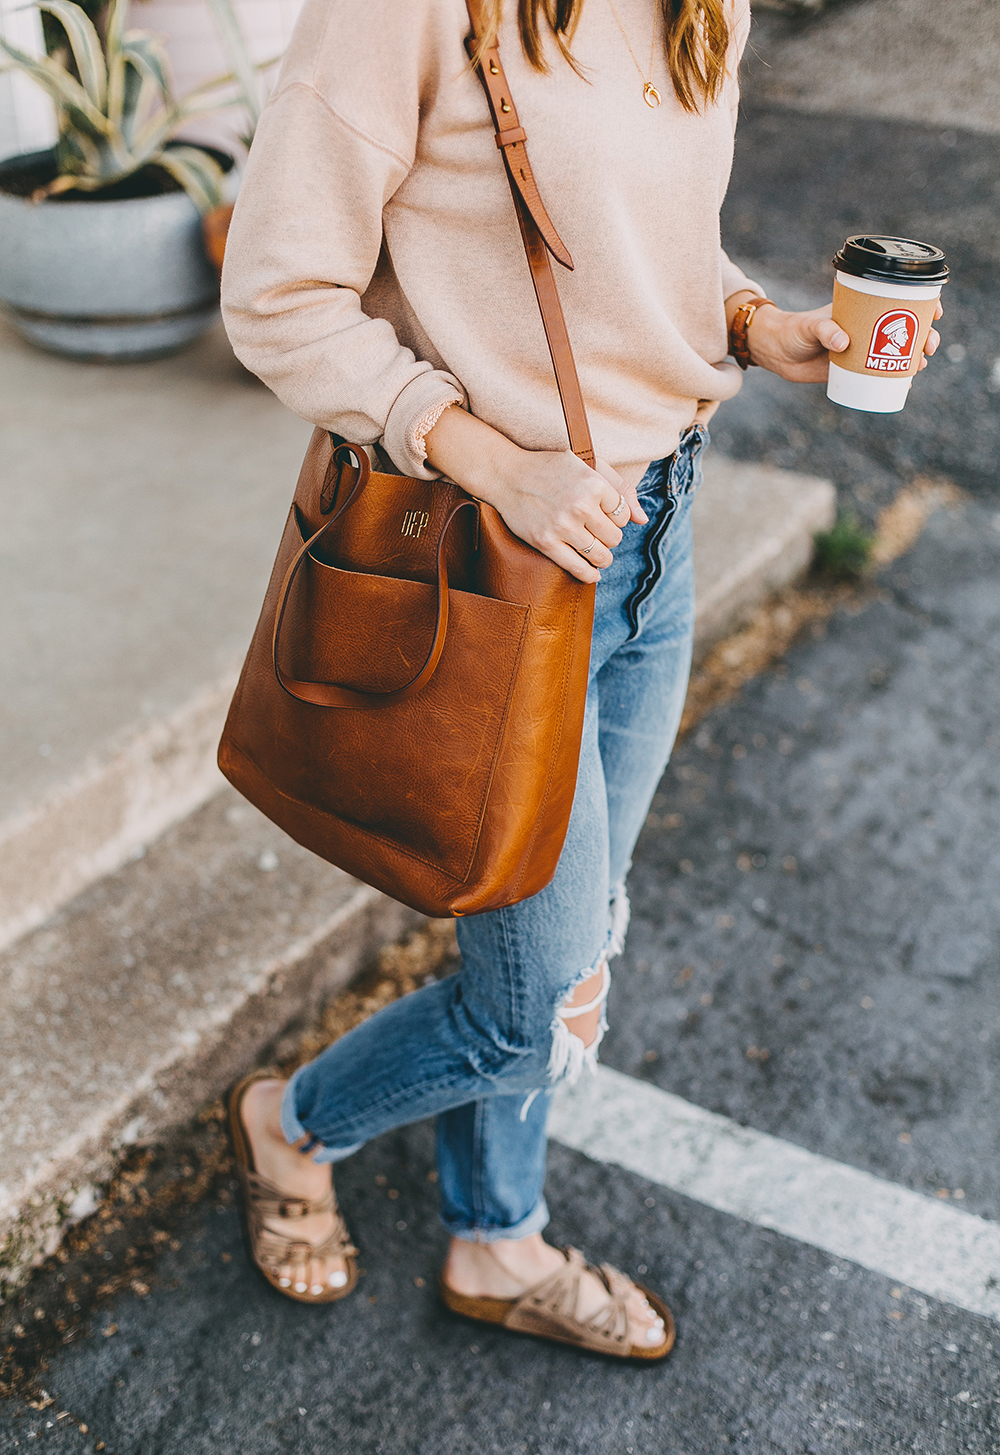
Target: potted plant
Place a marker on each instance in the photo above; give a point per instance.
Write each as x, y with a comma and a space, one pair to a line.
101, 251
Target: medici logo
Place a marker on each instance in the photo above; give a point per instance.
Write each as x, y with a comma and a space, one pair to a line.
893, 340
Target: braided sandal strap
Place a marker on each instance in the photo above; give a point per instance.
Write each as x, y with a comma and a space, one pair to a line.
272, 1202
264, 1200
551, 1308
275, 1249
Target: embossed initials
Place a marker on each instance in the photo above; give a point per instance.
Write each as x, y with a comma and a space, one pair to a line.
414, 523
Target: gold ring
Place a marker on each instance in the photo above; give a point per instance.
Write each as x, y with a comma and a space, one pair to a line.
622, 504
589, 548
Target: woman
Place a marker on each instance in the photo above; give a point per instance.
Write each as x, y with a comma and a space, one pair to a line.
375, 279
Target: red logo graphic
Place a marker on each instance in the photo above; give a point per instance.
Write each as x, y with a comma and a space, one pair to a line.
893, 340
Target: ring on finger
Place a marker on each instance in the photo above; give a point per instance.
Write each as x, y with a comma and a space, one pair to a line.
622, 505
587, 552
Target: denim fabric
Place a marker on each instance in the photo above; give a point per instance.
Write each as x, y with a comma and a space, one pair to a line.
478, 1050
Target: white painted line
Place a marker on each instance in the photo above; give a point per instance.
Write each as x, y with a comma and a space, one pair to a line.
915, 1240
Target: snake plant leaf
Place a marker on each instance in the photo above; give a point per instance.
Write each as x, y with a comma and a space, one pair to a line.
121, 113
118, 75
114, 27
247, 74
64, 89
200, 94
138, 100
147, 53
199, 174
85, 44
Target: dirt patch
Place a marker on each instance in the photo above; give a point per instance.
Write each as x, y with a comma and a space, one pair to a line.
426, 954
900, 523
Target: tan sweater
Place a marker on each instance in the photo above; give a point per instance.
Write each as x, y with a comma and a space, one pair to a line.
374, 271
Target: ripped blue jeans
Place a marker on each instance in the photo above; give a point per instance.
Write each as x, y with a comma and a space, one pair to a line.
482, 1049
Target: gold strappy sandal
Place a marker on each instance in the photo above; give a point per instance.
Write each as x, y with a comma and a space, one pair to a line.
261, 1199
549, 1311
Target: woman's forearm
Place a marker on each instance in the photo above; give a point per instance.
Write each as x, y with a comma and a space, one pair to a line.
549, 498
470, 452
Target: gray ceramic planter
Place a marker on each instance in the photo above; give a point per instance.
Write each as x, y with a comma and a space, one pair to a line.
104, 279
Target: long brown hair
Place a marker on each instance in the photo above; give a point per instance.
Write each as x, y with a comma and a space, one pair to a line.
696, 39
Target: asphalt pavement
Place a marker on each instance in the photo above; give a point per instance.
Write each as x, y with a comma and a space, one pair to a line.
814, 953
801, 184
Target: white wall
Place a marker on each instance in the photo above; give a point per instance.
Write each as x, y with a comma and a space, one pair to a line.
27, 116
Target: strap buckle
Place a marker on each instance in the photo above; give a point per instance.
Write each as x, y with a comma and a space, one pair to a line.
293, 1207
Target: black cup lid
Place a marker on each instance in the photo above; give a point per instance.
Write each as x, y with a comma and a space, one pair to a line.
892, 259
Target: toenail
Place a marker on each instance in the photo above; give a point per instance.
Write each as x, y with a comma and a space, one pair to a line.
300, 1288
654, 1335
316, 1288
338, 1279
285, 1282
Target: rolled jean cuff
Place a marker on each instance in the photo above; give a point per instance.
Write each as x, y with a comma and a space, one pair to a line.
536, 1220
294, 1130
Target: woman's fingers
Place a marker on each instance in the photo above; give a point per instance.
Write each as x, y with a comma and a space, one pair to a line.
600, 524
833, 338
609, 504
620, 513
635, 509
609, 473
592, 549
571, 561
611, 499
932, 344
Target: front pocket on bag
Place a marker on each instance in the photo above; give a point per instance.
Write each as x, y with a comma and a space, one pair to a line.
416, 772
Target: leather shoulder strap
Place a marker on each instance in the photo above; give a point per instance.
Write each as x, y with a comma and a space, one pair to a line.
537, 233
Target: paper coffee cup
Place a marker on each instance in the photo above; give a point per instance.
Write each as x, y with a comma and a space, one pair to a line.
884, 296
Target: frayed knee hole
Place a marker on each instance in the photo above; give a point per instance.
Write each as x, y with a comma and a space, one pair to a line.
583, 1010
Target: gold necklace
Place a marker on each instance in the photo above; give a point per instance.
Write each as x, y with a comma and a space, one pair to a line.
649, 92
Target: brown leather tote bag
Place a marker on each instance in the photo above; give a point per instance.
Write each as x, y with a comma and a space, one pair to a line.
412, 702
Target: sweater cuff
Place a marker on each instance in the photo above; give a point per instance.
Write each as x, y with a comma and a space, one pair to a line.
416, 410
734, 280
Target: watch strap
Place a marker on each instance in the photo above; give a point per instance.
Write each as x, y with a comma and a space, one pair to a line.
739, 343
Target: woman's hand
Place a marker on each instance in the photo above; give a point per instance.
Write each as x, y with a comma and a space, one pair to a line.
798, 346
548, 498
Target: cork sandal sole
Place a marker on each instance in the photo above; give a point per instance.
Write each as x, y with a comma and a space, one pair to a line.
501, 1311
257, 1193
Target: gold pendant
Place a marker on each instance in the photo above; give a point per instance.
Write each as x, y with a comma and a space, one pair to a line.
650, 95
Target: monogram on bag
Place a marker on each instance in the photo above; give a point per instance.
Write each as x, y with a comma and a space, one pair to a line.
412, 703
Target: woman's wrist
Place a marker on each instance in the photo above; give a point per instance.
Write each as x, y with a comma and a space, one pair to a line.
473, 454
763, 331
735, 301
